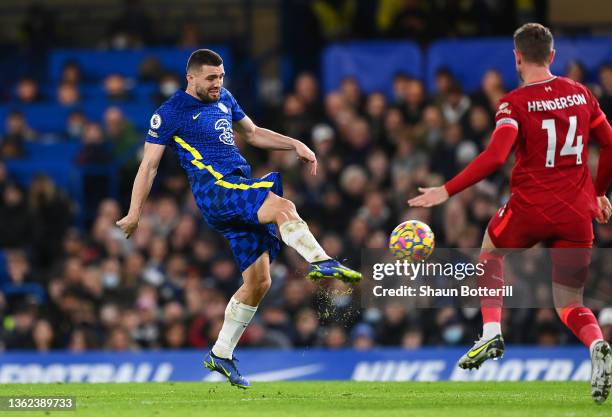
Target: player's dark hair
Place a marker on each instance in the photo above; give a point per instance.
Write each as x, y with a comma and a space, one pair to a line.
534, 41
203, 57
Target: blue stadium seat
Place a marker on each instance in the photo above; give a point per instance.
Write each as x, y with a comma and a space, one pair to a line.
87, 90
29, 289
58, 152
469, 59
373, 64
42, 117
51, 118
590, 52
138, 113
144, 91
96, 64
4, 277
95, 91
66, 176
92, 91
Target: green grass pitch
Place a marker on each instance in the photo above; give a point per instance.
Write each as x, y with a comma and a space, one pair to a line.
312, 399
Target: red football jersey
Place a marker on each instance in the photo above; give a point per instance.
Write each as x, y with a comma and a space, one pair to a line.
550, 177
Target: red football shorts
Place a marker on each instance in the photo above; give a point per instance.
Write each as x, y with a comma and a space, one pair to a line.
514, 228
570, 243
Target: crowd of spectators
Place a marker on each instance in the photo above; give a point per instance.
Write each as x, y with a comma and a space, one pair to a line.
88, 287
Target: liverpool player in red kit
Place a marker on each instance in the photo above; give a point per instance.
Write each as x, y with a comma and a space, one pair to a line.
549, 121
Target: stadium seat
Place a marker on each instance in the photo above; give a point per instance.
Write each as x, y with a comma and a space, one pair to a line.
590, 52
138, 112
3, 272
57, 152
66, 176
42, 117
97, 64
364, 60
95, 91
26, 289
469, 59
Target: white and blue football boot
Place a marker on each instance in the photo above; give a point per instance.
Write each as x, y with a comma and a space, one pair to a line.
482, 350
227, 368
601, 371
331, 268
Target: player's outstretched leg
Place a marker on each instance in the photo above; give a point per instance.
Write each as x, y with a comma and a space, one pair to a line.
583, 324
570, 266
238, 314
491, 344
295, 233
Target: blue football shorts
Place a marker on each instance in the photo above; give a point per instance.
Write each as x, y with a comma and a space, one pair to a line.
229, 205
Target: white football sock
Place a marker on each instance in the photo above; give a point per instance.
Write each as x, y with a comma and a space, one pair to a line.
237, 317
490, 330
295, 233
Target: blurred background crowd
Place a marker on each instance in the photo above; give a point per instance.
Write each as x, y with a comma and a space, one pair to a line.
70, 280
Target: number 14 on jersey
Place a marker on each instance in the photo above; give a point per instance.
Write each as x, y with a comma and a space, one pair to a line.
573, 144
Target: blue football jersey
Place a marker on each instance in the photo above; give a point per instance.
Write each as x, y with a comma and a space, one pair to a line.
200, 133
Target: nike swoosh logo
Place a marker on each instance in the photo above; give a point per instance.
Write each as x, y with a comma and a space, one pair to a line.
196, 116
214, 365
474, 353
227, 374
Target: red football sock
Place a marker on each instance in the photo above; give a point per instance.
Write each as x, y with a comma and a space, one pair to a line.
582, 322
493, 277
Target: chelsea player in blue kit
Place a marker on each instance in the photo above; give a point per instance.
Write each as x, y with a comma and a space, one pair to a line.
198, 124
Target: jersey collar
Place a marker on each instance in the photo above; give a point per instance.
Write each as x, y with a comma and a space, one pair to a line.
541, 82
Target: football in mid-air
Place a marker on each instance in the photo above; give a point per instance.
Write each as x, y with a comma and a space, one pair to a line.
412, 240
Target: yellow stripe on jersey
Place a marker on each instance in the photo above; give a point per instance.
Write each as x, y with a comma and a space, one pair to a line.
260, 184
197, 157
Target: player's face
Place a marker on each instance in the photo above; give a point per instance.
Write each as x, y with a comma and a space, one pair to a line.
208, 82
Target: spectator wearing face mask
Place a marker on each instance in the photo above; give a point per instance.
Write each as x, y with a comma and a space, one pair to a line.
168, 85
75, 125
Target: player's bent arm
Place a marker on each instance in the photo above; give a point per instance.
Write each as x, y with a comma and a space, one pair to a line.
145, 176
268, 139
489, 161
264, 138
142, 186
